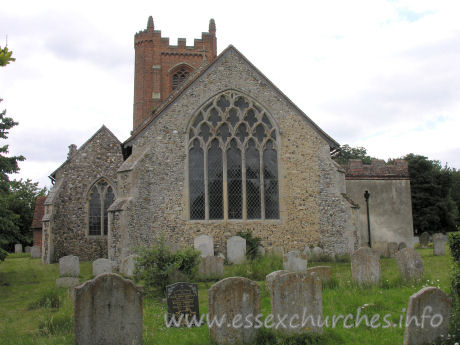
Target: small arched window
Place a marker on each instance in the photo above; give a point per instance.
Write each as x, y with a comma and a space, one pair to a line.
232, 161
100, 197
179, 76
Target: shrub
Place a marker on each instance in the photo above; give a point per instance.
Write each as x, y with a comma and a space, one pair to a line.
454, 243
3, 254
252, 243
47, 299
158, 267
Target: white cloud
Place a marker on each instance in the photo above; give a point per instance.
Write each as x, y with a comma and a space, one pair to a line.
379, 74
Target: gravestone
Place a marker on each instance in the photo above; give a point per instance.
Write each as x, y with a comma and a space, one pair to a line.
260, 251
69, 266
231, 297
424, 239
27, 249
381, 247
323, 272
278, 250
316, 253
297, 296
236, 250
270, 278
211, 266
67, 282
428, 301
365, 266
108, 311
35, 252
101, 266
18, 248
392, 249
182, 299
295, 262
410, 264
439, 245
402, 245
128, 265
205, 244
307, 252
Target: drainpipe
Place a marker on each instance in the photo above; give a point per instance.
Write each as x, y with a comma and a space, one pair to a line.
366, 196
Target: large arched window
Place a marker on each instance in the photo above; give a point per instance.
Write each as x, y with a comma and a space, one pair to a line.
232, 161
100, 197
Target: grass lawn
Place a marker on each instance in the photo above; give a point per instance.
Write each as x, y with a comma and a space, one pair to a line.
33, 311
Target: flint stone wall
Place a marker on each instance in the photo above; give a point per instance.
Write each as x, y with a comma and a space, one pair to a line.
108, 311
230, 297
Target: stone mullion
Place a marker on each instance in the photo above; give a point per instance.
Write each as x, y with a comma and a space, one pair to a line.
261, 179
224, 182
206, 197
243, 181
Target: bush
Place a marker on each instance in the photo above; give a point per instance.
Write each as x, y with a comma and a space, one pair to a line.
454, 243
47, 299
3, 254
158, 267
252, 243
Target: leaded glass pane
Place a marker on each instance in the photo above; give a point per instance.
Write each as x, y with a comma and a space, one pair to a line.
260, 133
233, 117
223, 103
253, 182
95, 213
108, 200
224, 132
196, 178
234, 182
250, 118
205, 132
214, 118
271, 183
242, 104
215, 178
241, 133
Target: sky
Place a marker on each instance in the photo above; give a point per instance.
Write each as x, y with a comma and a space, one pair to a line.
383, 75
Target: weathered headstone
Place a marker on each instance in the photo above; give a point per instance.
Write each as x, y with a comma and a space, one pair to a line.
410, 264
421, 329
108, 311
297, 296
69, 266
439, 245
18, 248
295, 262
228, 298
392, 249
278, 250
205, 244
424, 239
182, 299
323, 272
402, 245
381, 247
365, 266
236, 250
101, 266
307, 252
260, 251
67, 282
128, 265
316, 253
35, 252
27, 249
211, 266
270, 278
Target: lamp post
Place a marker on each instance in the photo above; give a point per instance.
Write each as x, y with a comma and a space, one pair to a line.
366, 196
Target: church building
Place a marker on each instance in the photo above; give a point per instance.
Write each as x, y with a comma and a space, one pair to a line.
216, 148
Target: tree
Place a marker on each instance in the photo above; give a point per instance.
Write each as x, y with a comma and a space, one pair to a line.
5, 56
433, 208
347, 152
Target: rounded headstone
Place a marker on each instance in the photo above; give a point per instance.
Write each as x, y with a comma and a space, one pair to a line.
323, 272
295, 262
236, 250
18, 248
307, 252
205, 244
424, 239
101, 266
69, 266
365, 266
35, 252
316, 253
270, 278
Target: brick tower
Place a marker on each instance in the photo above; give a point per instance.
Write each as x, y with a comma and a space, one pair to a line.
160, 67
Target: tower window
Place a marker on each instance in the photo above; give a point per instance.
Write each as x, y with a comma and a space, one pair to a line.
232, 161
179, 77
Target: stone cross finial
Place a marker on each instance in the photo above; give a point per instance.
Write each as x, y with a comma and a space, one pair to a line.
72, 150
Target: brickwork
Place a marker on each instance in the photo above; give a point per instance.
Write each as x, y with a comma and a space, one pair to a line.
153, 202
65, 222
156, 61
355, 169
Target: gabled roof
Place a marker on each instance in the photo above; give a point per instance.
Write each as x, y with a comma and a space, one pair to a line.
202, 70
103, 128
38, 212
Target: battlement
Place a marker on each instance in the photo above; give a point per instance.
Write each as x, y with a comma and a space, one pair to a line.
377, 170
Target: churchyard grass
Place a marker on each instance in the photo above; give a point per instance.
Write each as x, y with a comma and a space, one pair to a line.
28, 313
